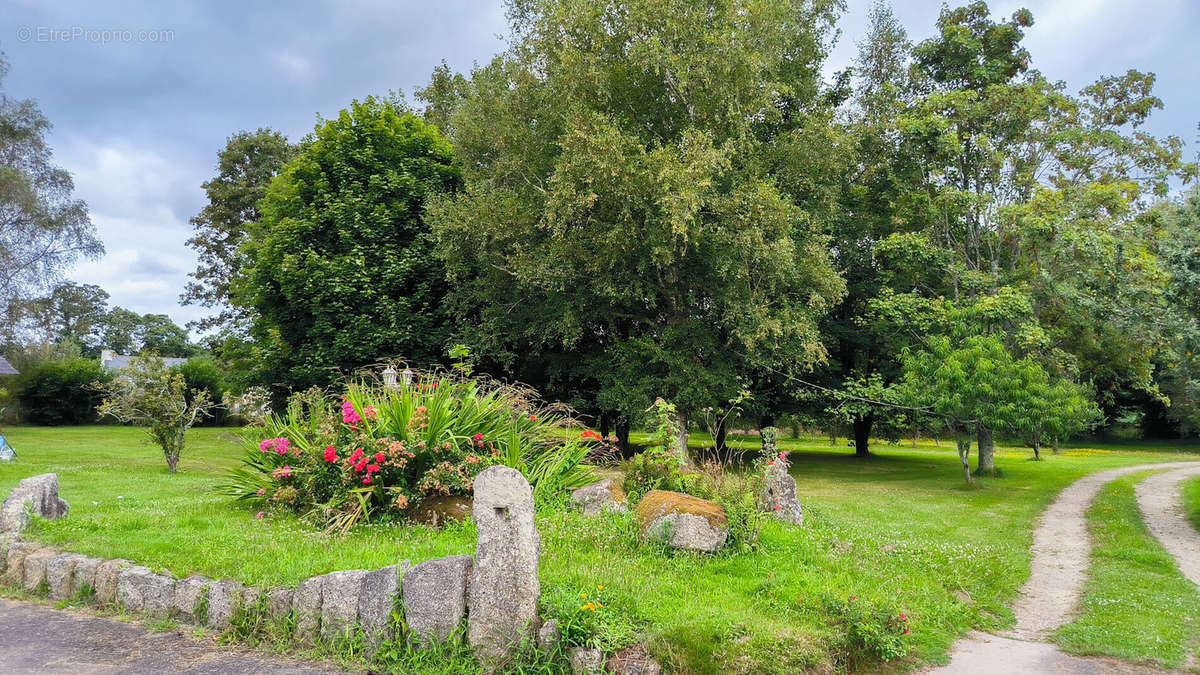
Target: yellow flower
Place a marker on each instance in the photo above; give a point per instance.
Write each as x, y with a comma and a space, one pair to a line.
599, 605
583, 595
599, 588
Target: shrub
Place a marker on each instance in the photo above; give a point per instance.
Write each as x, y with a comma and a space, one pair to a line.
738, 492
61, 392
380, 451
867, 631
152, 396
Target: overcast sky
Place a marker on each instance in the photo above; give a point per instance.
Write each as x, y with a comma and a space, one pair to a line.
138, 123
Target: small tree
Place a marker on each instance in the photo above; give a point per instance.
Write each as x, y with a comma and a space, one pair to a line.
1055, 411
149, 395
968, 385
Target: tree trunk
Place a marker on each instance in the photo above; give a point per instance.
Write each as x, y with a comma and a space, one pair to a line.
963, 440
682, 448
605, 422
1037, 455
722, 432
862, 435
985, 462
172, 461
622, 428
795, 432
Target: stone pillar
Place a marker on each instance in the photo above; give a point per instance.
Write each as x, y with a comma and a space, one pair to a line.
504, 590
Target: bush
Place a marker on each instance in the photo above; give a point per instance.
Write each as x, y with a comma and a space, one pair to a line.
868, 632
380, 451
738, 492
61, 392
203, 374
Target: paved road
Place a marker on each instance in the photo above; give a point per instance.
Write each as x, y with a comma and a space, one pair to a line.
37, 639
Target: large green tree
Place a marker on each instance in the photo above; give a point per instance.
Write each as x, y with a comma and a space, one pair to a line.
71, 312
623, 200
245, 166
43, 228
339, 269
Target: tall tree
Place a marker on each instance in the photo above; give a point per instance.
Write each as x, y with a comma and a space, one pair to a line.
623, 200
43, 229
247, 164
340, 270
71, 312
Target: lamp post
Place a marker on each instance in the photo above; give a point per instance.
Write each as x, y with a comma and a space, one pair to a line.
389, 377
407, 376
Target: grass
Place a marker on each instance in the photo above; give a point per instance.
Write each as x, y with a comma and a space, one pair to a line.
1191, 501
898, 531
1136, 606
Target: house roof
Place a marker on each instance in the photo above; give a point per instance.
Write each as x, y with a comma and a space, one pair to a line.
121, 361
6, 368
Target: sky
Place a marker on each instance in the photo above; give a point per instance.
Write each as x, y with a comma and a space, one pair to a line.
143, 95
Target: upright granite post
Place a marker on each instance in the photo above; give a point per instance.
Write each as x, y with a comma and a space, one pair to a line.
504, 582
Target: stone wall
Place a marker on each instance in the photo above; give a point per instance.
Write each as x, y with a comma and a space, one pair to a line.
495, 592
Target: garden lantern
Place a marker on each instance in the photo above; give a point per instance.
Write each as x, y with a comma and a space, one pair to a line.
389, 377
407, 376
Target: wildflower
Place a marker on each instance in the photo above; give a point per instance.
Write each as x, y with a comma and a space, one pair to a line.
372, 468
771, 463
906, 631
370, 413
583, 595
600, 588
278, 445
349, 415
903, 617
401, 502
778, 507
331, 454
261, 491
367, 480
853, 598
282, 472
258, 515
599, 604
533, 418
472, 459
478, 437
782, 455
362, 464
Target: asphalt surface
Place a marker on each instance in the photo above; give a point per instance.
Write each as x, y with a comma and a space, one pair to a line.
37, 639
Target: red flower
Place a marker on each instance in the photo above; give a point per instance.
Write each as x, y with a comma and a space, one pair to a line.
362, 464
533, 418
379, 457
478, 437
331, 454
372, 468
367, 480
589, 434
770, 463
903, 617
906, 631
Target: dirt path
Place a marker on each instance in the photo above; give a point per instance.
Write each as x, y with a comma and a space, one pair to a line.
1159, 498
1061, 553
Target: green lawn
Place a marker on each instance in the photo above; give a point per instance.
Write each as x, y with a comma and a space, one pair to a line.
898, 531
1191, 500
1136, 605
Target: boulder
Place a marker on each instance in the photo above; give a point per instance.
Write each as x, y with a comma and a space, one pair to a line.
188, 594
779, 494
250, 597
606, 495
548, 636
585, 661
306, 604
83, 578
279, 604
107, 576
224, 596
378, 596
33, 573
339, 603
503, 598
435, 597
14, 566
632, 661
7, 539
59, 573
37, 495
438, 511
140, 590
683, 521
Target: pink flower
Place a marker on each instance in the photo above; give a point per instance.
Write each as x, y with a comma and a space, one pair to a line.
906, 631
372, 468
282, 472
362, 464
782, 455
367, 480
261, 491
279, 445
258, 515
771, 463
903, 617
349, 415
478, 437
370, 413
380, 457
331, 454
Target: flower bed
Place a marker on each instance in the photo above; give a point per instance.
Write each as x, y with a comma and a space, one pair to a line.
379, 451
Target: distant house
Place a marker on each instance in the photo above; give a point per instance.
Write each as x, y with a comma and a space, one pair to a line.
6, 368
110, 360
